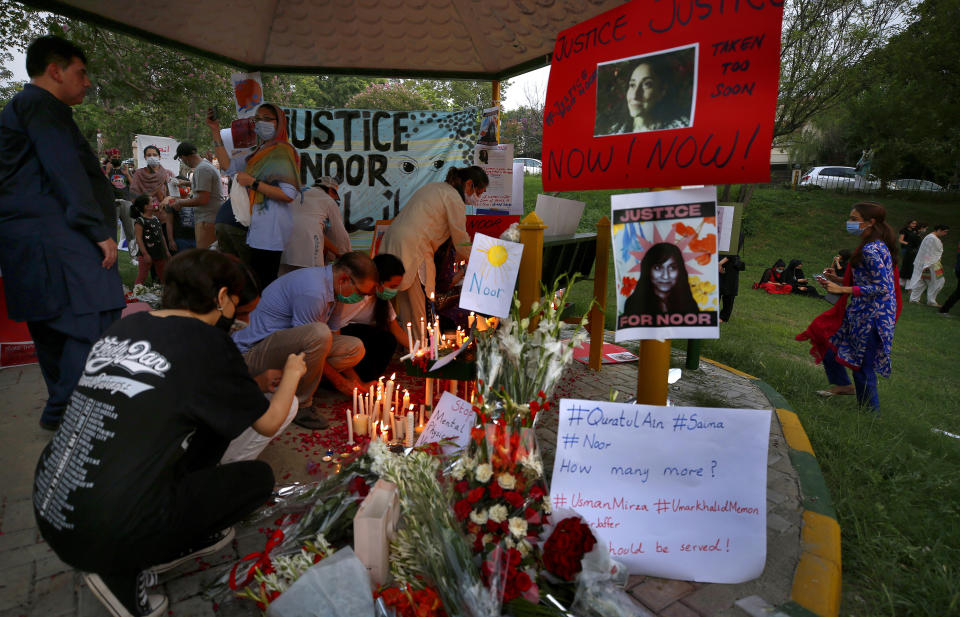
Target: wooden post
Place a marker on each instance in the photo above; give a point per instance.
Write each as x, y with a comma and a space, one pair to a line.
531, 264
653, 367
496, 101
599, 309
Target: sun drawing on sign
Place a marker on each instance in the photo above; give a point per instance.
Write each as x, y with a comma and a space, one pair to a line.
497, 256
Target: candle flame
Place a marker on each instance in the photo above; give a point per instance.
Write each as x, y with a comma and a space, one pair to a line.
392, 377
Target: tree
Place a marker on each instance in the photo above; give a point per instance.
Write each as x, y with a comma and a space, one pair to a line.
393, 95
822, 42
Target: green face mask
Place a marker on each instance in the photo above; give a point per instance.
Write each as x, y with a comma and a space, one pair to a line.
387, 293
351, 299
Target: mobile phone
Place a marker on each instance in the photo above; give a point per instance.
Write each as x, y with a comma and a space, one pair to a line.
820, 277
213, 113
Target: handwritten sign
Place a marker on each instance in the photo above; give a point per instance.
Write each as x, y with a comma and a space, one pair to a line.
491, 276
676, 492
490, 224
497, 161
452, 419
654, 94
665, 255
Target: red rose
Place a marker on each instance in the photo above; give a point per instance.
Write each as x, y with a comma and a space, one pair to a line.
358, 485
523, 582
495, 490
536, 491
514, 498
461, 486
493, 527
566, 546
475, 495
462, 509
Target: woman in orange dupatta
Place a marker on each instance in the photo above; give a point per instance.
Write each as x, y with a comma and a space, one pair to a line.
271, 173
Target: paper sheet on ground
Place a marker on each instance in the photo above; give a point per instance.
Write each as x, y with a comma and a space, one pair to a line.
447, 359
676, 492
452, 419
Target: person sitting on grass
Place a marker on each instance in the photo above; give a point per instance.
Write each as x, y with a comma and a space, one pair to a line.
130, 484
795, 277
773, 280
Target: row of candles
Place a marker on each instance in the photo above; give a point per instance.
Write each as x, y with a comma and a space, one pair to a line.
382, 410
433, 339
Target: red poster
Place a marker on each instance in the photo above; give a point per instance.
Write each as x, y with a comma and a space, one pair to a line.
659, 93
490, 224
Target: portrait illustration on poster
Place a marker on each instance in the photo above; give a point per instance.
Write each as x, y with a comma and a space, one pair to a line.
665, 255
651, 92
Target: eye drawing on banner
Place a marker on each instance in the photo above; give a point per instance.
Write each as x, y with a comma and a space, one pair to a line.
665, 257
652, 92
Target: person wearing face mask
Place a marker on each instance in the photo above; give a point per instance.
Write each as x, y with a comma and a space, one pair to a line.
436, 212
773, 279
271, 173
206, 195
374, 321
151, 180
663, 286
292, 317
167, 391
857, 332
318, 232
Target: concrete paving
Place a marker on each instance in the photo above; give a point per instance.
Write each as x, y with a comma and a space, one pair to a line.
33, 582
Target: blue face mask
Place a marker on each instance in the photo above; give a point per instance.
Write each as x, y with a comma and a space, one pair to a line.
853, 227
387, 293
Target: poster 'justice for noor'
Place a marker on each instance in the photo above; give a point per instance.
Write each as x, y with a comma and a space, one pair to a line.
660, 93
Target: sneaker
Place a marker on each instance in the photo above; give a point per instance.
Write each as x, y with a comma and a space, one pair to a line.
211, 544
124, 597
310, 418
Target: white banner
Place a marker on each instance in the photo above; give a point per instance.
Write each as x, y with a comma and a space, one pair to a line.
167, 147
676, 492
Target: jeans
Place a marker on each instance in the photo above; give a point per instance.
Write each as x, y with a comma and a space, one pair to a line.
864, 380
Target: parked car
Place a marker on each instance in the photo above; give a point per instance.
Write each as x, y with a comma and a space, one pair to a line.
531, 166
836, 177
912, 184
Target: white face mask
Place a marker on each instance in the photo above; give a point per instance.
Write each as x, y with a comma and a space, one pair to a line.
472, 199
153, 161
265, 130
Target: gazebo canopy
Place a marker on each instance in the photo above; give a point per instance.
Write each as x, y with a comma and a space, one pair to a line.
467, 39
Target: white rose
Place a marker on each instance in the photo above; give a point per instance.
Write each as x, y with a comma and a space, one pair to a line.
487, 538
506, 481
478, 517
518, 526
498, 513
524, 547
483, 473
508, 542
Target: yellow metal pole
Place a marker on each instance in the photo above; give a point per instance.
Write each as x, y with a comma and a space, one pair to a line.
496, 101
531, 264
653, 367
599, 292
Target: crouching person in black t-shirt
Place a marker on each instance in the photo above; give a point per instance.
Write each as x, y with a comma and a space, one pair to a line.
129, 486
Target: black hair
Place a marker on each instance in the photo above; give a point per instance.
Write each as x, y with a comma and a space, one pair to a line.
941, 228
139, 203
151, 146
458, 176
388, 266
194, 278
359, 265
644, 299
51, 49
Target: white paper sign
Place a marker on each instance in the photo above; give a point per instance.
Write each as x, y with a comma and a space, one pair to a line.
725, 227
167, 147
497, 161
561, 216
452, 419
491, 276
676, 492
450, 357
247, 93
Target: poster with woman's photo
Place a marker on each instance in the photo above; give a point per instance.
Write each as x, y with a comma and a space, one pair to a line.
650, 92
665, 256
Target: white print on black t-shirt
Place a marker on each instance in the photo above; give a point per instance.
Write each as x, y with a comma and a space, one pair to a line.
135, 357
65, 467
114, 383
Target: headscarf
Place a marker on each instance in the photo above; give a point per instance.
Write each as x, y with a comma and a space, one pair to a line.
274, 161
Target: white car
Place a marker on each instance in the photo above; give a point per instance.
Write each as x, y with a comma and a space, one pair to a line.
841, 178
912, 184
532, 167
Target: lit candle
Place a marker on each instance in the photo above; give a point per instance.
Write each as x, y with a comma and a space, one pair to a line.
354, 400
420, 423
452, 387
388, 394
409, 336
350, 423
470, 320
393, 424
408, 432
406, 399
423, 335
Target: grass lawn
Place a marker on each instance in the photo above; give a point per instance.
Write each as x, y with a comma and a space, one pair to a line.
894, 481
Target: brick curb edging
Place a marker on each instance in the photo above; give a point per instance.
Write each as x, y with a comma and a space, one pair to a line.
816, 582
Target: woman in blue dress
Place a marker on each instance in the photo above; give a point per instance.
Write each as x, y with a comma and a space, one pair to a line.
864, 337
